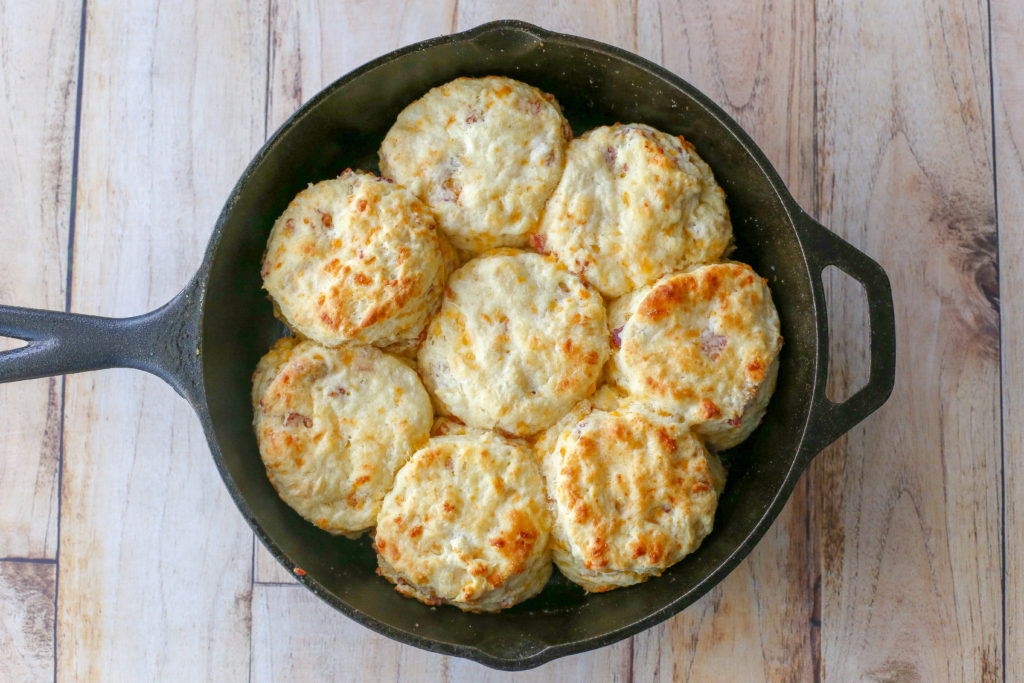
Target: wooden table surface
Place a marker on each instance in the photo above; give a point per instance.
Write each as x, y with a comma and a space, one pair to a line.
898, 124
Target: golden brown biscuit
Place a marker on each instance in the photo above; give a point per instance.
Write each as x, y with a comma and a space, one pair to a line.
701, 345
356, 258
633, 493
484, 153
334, 425
467, 524
633, 204
518, 340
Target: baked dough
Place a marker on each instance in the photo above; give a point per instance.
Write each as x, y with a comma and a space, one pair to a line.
634, 204
467, 523
701, 345
484, 153
333, 427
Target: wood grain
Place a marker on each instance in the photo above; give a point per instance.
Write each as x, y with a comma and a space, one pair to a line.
155, 562
26, 620
39, 54
1008, 97
910, 502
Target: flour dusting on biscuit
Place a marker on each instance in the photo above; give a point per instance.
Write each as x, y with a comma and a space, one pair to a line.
356, 258
634, 204
467, 523
517, 341
484, 153
701, 345
633, 493
333, 427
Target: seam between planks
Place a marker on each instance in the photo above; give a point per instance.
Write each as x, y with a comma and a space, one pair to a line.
999, 319
72, 211
810, 516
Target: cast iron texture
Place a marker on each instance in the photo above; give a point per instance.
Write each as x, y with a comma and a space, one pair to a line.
207, 341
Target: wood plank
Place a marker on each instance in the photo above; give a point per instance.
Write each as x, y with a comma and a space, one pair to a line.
38, 84
909, 504
610, 21
1007, 20
26, 620
298, 637
155, 563
756, 61
306, 56
611, 664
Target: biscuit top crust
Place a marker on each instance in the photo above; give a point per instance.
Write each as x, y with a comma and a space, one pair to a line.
517, 342
484, 153
633, 491
356, 258
334, 425
467, 514
634, 204
696, 344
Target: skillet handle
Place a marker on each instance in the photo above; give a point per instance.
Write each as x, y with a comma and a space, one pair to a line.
164, 342
830, 420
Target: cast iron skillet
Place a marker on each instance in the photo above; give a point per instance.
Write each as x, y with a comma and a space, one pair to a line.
206, 341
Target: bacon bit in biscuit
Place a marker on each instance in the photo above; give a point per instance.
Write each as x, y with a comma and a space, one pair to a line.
448, 507
617, 337
609, 157
338, 391
416, 531
299, 571
639, 551
712, 344
538, 242
289, 227
735, 421
700, 487
710, 410
474, 116
295, 417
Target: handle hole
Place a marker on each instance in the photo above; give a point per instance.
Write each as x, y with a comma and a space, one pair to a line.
10, 343
849, 335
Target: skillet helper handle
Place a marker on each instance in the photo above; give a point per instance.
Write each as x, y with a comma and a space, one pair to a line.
163, 342
830, 420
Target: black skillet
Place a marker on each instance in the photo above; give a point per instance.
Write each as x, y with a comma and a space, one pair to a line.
206, 341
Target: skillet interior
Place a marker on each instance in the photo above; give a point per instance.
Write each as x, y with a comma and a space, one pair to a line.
342, 128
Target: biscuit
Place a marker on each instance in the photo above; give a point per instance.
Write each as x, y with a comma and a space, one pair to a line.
333, 427
701, 345
484, 153
517, 341
467, 524
356, 258
633, 204
633, 493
